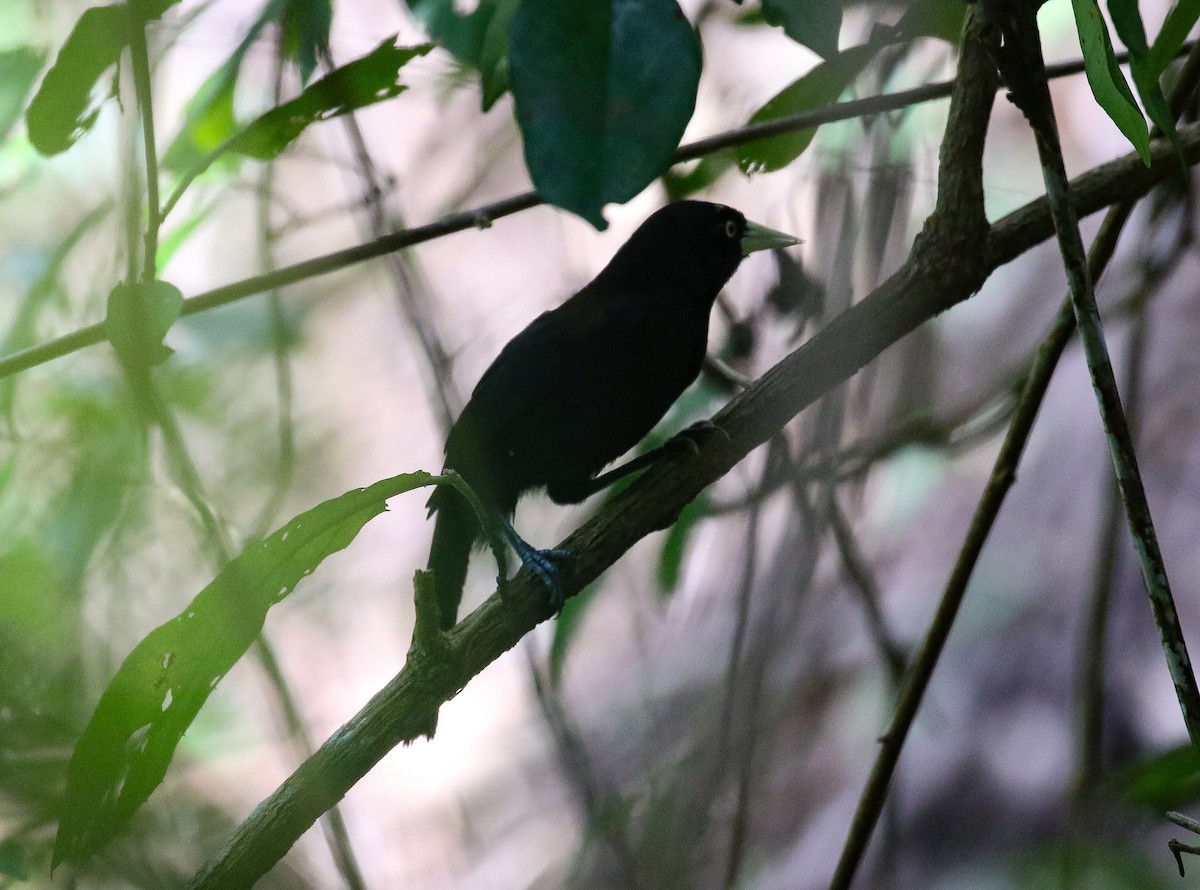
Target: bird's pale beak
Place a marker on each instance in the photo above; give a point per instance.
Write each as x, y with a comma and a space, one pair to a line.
759, 237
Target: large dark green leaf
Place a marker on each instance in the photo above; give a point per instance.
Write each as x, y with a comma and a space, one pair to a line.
123, 753
63, 108
603, 90
360, 83
1105, 78
811, 23
816, 89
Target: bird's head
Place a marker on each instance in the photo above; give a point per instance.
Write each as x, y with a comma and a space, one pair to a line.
694, 245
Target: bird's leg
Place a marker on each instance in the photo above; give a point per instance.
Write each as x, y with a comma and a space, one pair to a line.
543, 563
690, 438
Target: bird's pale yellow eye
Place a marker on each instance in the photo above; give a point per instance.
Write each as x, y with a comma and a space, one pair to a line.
730, 228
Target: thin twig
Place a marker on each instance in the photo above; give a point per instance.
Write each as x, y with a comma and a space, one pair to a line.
1003, 475
483, 217
1023, 67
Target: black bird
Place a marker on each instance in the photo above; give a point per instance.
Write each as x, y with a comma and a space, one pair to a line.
583, 383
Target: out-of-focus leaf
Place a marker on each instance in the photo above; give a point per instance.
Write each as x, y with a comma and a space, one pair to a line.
139, 316
306, 33
700, 176
933, 18
493, 55
208, 118
670, 561
1174, 32
1128, 22
123, 753
1163, 782
360, 83
1105, 78
478, 39
811, 23
819, 87
62, 109
13, 862
18, 69
566, 626
603, 91
173, 240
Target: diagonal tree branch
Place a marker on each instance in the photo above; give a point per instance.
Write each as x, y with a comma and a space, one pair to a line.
950, 260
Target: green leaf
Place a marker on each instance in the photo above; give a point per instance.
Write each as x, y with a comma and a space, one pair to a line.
123, 753
1105, 78
461, 35
670, 561
603, 90
209, 118
816, 89
1128, 22
360, 83
139, 316
685, 182
478, 39
933, 18
811, 23
306, 33
13, 861
493, 54
169, 243
18, 69
1164, 781
62, 110
566, 627
1174, 32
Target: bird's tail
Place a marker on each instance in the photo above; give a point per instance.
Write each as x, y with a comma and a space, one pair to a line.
454, 535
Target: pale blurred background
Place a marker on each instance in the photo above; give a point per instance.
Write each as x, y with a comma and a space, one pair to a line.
641, 760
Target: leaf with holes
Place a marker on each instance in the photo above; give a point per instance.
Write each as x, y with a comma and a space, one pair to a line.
360, 83
123, 753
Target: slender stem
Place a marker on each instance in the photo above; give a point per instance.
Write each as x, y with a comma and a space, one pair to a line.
1032, 94
483, 217
140, 57
1003, 475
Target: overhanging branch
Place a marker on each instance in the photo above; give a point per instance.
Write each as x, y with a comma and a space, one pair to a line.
931, 281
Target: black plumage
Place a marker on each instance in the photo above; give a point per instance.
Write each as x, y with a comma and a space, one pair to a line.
584, 382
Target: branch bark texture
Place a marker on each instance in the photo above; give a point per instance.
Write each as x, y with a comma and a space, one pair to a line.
951, 259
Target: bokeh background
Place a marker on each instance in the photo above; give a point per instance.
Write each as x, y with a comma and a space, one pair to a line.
706, 714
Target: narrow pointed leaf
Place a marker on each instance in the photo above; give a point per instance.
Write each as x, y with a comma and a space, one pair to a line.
1105, 78
123, 753
360, 83
816, 89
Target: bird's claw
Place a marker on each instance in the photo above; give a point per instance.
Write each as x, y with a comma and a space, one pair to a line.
694, 436
546, 566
